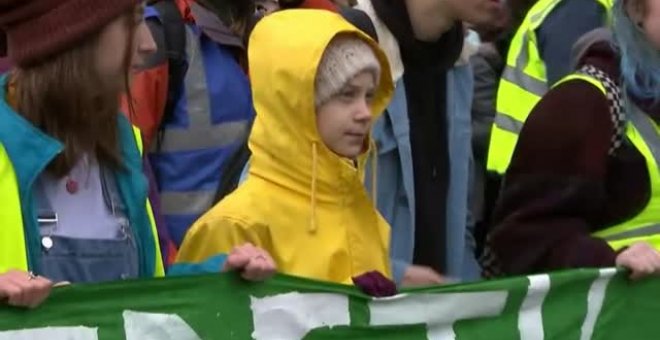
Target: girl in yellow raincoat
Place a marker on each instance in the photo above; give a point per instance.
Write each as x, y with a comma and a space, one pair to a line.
317, 84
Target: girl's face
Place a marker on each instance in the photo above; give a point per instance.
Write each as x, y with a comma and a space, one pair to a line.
345, 120
125, 42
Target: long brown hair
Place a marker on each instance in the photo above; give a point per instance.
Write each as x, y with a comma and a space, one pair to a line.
67, 99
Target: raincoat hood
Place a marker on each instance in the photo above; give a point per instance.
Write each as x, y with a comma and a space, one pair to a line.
285, 144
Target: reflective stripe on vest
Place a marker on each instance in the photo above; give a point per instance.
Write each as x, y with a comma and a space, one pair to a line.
645, 136
13, 248
521, 86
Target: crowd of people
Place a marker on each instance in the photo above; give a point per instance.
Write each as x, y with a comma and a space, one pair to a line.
410, 142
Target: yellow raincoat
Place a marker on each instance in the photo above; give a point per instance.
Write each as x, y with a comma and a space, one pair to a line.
301, 202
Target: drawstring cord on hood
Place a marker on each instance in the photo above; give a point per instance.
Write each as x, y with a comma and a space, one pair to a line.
313, 226
373, 154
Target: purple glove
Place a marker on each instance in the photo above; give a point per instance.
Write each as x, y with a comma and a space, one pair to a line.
375, 284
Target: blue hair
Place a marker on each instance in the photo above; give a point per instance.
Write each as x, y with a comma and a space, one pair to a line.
640, 61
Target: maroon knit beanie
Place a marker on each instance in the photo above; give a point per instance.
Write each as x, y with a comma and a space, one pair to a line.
39, 29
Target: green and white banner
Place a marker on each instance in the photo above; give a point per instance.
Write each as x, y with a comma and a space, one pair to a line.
573, 305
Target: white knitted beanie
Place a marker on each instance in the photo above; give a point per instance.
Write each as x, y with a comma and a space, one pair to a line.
345, 57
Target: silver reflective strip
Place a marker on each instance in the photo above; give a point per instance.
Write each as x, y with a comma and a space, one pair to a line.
639, 232
196, 91
517, 76
523, 56
534, 19
211, 136
186, 203
200, 132
508, 123
646, 129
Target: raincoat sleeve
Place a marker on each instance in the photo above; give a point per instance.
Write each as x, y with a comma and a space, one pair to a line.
206, 244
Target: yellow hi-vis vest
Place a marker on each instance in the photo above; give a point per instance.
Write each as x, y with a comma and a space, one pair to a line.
13, 247
521, 86
644, 134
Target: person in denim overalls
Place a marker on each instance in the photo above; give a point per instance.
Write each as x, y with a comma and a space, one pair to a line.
72, 187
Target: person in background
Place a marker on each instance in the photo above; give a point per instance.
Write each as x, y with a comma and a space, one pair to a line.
74, 195
487, 66
195, 109
538, 56
423, 138
303, 199
582, 188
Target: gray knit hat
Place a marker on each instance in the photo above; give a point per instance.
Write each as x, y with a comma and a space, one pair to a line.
345, 57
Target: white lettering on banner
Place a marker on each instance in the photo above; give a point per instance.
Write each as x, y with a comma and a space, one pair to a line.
438, 312
153, 326
530, 318
52, 333
291, 316
595, 301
